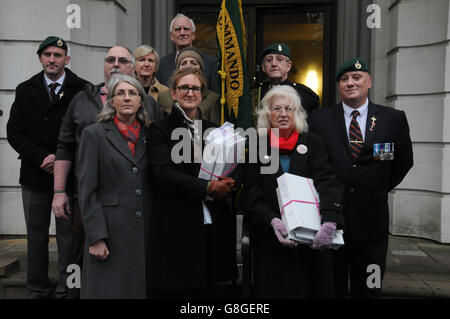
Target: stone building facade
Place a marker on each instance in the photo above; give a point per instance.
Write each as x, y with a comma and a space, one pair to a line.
406, 46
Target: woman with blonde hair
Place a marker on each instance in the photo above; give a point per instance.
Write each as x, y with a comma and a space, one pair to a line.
147, 63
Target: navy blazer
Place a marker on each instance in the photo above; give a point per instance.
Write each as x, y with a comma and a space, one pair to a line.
366, 181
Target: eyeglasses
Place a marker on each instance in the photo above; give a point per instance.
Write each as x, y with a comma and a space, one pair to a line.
278, 59
112, 60
185, 89
122, 94
287, 109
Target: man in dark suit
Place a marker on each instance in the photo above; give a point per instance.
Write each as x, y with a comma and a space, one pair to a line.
36, 115
182, 33
370, 150
276, 64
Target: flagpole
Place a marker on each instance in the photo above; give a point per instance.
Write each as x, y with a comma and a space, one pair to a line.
222, 71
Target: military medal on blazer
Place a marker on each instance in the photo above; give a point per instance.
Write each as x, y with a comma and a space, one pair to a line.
383, 151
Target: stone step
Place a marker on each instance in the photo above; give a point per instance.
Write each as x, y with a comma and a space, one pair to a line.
14, 286
8, 266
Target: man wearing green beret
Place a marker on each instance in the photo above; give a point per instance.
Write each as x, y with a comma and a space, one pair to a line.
35, 118
370, 149
276, 64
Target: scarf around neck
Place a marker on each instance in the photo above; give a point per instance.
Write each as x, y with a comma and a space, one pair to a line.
284, 144
129, 132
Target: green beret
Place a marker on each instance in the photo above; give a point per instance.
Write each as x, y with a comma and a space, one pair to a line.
277, 48
52, 41
355, 64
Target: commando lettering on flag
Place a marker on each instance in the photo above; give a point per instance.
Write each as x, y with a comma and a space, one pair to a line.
232, 57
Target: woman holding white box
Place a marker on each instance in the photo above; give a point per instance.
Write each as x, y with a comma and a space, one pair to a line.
192, 239
283, 268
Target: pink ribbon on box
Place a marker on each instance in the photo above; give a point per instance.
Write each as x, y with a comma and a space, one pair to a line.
316, 202
224, 174
234, 158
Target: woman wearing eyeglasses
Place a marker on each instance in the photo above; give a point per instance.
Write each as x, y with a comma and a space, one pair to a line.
209, 107
193, 240
283, 268
115, 195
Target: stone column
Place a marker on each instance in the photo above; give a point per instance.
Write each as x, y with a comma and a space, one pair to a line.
411, 65
156, 17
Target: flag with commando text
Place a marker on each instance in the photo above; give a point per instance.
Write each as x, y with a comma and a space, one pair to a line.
232, 43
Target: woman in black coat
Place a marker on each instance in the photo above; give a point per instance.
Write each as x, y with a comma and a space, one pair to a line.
193, 241
283, 268
115, 195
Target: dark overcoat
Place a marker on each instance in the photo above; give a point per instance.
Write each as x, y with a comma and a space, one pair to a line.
34, 124
115, 199
178, 248
279, 271
82, 112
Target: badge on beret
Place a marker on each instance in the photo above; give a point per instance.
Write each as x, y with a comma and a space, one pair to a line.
302, 149
280, 48
357, 65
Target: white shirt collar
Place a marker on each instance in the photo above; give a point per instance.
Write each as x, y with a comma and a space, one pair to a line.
363, 109
60, 81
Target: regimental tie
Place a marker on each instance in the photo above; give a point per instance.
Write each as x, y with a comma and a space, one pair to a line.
356, 140
53, 87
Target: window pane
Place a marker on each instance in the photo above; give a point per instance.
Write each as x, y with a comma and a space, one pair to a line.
303, 33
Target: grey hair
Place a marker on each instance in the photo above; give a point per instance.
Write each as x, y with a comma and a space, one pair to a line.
180, 15
133, 61
144, 50
109, 112
292, 96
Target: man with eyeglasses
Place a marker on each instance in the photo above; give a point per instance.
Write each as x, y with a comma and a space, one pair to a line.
182, 34
32, 130
276, 64
83, 112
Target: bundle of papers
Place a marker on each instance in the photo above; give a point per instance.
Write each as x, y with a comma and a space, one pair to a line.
224, 149
299, 208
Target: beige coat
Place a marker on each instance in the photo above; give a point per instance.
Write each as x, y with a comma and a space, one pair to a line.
156, 89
